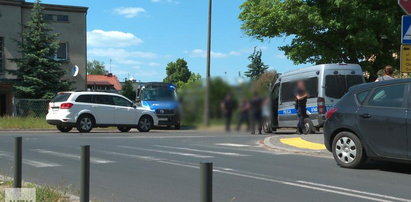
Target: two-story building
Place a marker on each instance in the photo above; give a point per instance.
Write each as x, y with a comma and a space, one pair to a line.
68, 21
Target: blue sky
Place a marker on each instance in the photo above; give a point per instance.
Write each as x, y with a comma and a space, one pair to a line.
142, 36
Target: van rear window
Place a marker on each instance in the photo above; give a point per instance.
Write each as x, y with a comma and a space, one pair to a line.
61, 97
337, 85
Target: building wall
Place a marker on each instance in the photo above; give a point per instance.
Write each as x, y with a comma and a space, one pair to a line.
15, 13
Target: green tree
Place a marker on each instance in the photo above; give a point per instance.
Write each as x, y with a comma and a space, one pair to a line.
177, 71
39, 74
257, 66
128, 90
96, 67
192, 81
332, 31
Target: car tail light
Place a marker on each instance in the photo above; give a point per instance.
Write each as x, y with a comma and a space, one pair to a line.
49, 106
321, 105
330, 112
66, 105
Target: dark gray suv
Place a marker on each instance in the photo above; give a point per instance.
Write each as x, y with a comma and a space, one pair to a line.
371, 121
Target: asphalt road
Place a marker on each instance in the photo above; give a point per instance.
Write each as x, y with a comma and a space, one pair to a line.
164, 166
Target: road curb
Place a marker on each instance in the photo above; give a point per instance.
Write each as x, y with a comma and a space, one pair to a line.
278, 147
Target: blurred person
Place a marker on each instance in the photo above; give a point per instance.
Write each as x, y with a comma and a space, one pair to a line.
227, 106
244, 114
301, 96
388, 74
256, 113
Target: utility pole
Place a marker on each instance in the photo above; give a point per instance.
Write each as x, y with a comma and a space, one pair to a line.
207, 93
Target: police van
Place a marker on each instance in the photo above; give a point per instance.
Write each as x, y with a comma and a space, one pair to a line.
325, 84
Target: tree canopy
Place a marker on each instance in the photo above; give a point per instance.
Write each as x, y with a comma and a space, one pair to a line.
257, 66
39, 74
332, 31
177, 72
128, 90
96, 67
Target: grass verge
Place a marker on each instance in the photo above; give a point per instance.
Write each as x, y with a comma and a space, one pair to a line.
42, 193
24, 123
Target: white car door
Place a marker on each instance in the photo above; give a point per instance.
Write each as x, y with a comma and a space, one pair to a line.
103, 109
125, 113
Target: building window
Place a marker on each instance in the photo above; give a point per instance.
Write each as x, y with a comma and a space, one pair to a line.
56, 18
1, 55
62, 52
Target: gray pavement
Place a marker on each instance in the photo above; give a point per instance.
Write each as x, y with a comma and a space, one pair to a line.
163, 166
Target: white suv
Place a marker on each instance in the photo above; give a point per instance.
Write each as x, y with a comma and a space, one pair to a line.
86, 110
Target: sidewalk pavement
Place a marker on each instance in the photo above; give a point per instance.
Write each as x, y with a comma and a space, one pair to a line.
312, 144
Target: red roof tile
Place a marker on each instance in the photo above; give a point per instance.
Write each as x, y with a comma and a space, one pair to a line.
104, 80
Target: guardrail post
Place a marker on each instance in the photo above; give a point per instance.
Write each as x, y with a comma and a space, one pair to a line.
206, 170
85, 174
17, 162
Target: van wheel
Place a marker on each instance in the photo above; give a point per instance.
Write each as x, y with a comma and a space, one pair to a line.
85, 123
145, 124
123, 129
308, 126
347, 150
267, 126
64, 129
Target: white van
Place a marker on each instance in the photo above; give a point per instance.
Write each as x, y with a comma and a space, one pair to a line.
325, 83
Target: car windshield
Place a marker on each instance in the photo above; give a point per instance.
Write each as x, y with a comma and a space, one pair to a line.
158, 94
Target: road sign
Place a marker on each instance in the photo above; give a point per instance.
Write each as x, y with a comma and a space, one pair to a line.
405, 5
406, 58
406, 29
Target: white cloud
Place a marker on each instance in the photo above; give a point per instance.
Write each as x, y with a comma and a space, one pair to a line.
121, 55
128, 12
199, 53
166, 1
153, 64
101, 38
234, 53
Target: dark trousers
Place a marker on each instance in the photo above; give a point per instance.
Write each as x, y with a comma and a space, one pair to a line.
257, 119
227, 121
244, 118
301, 114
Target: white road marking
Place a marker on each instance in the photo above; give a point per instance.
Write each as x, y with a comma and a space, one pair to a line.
71, 156
149, 158
37, 164
168, 152
302, 184
233, 145
354, 191
204, 151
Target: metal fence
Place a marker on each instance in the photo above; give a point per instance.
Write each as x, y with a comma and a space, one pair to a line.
30, 107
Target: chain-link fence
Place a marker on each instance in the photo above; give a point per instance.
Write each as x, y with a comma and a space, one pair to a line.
30, 107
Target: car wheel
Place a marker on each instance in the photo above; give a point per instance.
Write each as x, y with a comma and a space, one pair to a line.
85, 123
64, 129
267, 126
123, 129
348, 150
308, 126
145, 124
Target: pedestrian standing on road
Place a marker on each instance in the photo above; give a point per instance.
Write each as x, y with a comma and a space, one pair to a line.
227, 107
388, 74
256, 113
244, 114
301, 96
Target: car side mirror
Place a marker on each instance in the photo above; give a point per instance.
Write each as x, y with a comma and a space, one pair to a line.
134, 106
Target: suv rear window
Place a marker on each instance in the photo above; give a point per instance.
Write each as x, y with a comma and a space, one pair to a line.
61, 97
337, 85
84, 98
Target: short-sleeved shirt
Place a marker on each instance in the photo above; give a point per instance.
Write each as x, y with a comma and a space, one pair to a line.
300, 103
384, 78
